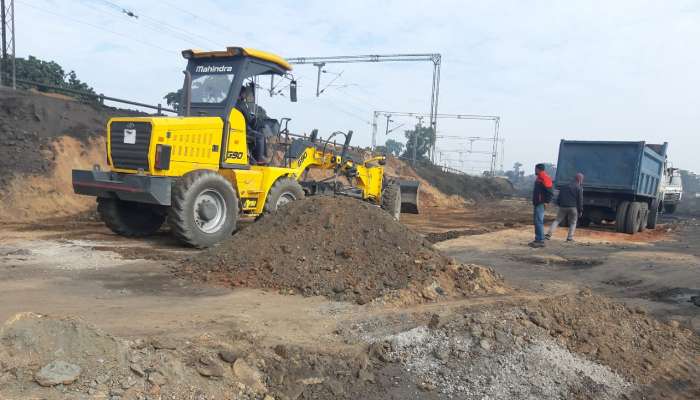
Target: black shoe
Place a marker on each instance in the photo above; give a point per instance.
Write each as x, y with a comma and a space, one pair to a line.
536, 244
547, 236
570, 240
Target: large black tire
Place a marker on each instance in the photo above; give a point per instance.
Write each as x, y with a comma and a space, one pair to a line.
391, 200
634, 217
644, 217
621, 216
282, 192
130, 219
204, 209
670, 208
653, 215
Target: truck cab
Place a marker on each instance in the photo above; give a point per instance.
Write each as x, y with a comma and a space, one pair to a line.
672, 189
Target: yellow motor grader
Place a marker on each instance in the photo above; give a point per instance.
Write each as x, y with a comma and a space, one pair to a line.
207, 167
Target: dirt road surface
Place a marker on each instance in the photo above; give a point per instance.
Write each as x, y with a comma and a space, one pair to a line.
659, 270
547, 337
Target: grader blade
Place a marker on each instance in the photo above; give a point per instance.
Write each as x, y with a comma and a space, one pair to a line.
409, 196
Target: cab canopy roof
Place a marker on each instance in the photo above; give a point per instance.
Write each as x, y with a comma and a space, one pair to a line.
238, 51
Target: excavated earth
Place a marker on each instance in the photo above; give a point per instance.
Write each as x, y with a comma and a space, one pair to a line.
567, 347
341, 248
31, 122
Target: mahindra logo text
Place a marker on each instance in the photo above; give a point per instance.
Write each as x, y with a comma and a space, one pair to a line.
213, 68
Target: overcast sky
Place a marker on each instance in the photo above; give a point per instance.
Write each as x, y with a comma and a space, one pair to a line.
605, 70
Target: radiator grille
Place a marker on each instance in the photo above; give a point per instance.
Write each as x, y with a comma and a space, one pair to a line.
126, 154
672, 196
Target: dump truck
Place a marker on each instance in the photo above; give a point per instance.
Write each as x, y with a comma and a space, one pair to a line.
622, 184
222, 159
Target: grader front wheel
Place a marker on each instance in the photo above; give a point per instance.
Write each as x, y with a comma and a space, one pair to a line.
283, 192
204, 209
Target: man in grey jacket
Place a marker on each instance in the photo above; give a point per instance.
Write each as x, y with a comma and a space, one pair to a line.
570, 203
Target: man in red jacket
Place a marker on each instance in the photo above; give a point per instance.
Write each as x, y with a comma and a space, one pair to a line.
541, 194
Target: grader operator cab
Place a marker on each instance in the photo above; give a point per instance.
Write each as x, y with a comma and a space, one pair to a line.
204, 169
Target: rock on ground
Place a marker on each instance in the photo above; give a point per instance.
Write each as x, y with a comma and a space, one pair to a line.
57, 372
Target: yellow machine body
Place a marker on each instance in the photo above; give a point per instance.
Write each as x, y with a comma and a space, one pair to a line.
200, 171
196, 142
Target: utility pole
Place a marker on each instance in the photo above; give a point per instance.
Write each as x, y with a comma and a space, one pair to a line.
388, 121
319, 65
416, 131
7, 29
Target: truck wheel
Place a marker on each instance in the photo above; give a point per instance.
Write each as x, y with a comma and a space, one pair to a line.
670, 208
621, 216
128, 218
204, 209
391, 200
282, 192
644, 218
653, 214
634, 218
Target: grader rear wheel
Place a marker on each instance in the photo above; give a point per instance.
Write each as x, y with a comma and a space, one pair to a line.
204, 209
130, 219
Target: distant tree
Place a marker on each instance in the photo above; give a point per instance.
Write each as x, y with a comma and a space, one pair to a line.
173, 99
48, 72
393, 147
516, 173
421, 137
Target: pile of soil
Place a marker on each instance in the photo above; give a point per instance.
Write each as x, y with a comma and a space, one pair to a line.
338, 247
428, 195
42, 138
470, 187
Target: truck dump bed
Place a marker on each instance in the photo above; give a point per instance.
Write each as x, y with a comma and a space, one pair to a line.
634, 168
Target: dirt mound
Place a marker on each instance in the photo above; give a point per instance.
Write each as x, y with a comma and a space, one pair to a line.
470, 187
41, 139
34, 197
337, 247
429, 195
30, 122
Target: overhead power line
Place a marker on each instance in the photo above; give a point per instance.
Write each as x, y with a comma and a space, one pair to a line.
435, 58
99, 27
165, 27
